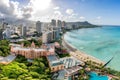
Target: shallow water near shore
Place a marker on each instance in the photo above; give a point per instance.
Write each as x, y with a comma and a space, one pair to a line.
102, 43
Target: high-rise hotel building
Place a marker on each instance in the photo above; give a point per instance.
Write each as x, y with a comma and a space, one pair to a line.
38, 27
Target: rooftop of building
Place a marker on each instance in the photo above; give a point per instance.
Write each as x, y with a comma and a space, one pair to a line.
61, 75
53, 60
49, 47
27, 49
14, 45
7, 59
71, 67
16, 40
71, 61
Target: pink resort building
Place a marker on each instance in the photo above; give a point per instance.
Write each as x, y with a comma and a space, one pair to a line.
32, 51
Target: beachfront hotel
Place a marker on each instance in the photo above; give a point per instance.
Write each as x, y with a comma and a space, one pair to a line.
51, 31
32, 52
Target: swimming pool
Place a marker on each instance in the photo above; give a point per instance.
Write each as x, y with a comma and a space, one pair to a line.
95, 76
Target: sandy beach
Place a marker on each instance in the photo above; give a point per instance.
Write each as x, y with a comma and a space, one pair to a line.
79, 54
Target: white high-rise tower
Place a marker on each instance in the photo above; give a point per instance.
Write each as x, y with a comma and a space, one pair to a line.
38, 27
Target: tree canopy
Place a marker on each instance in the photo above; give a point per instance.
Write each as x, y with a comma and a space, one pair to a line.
4, 48
21, 69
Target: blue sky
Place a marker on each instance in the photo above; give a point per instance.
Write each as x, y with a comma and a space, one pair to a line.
94, 11
106, 11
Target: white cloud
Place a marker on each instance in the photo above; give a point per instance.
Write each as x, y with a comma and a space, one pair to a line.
72, 16
82, 17
98, 20
56, 8
39, 4
69, 11
4, 3
99, 17
12, 9
57, 12
57, 15
1, 15
42, 10
26, 12
9, 8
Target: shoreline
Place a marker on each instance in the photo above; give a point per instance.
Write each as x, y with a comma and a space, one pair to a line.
80, 54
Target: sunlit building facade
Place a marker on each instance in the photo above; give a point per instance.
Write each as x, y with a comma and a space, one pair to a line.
31, 52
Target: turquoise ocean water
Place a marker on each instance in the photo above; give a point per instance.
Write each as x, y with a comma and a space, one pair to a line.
102, 43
